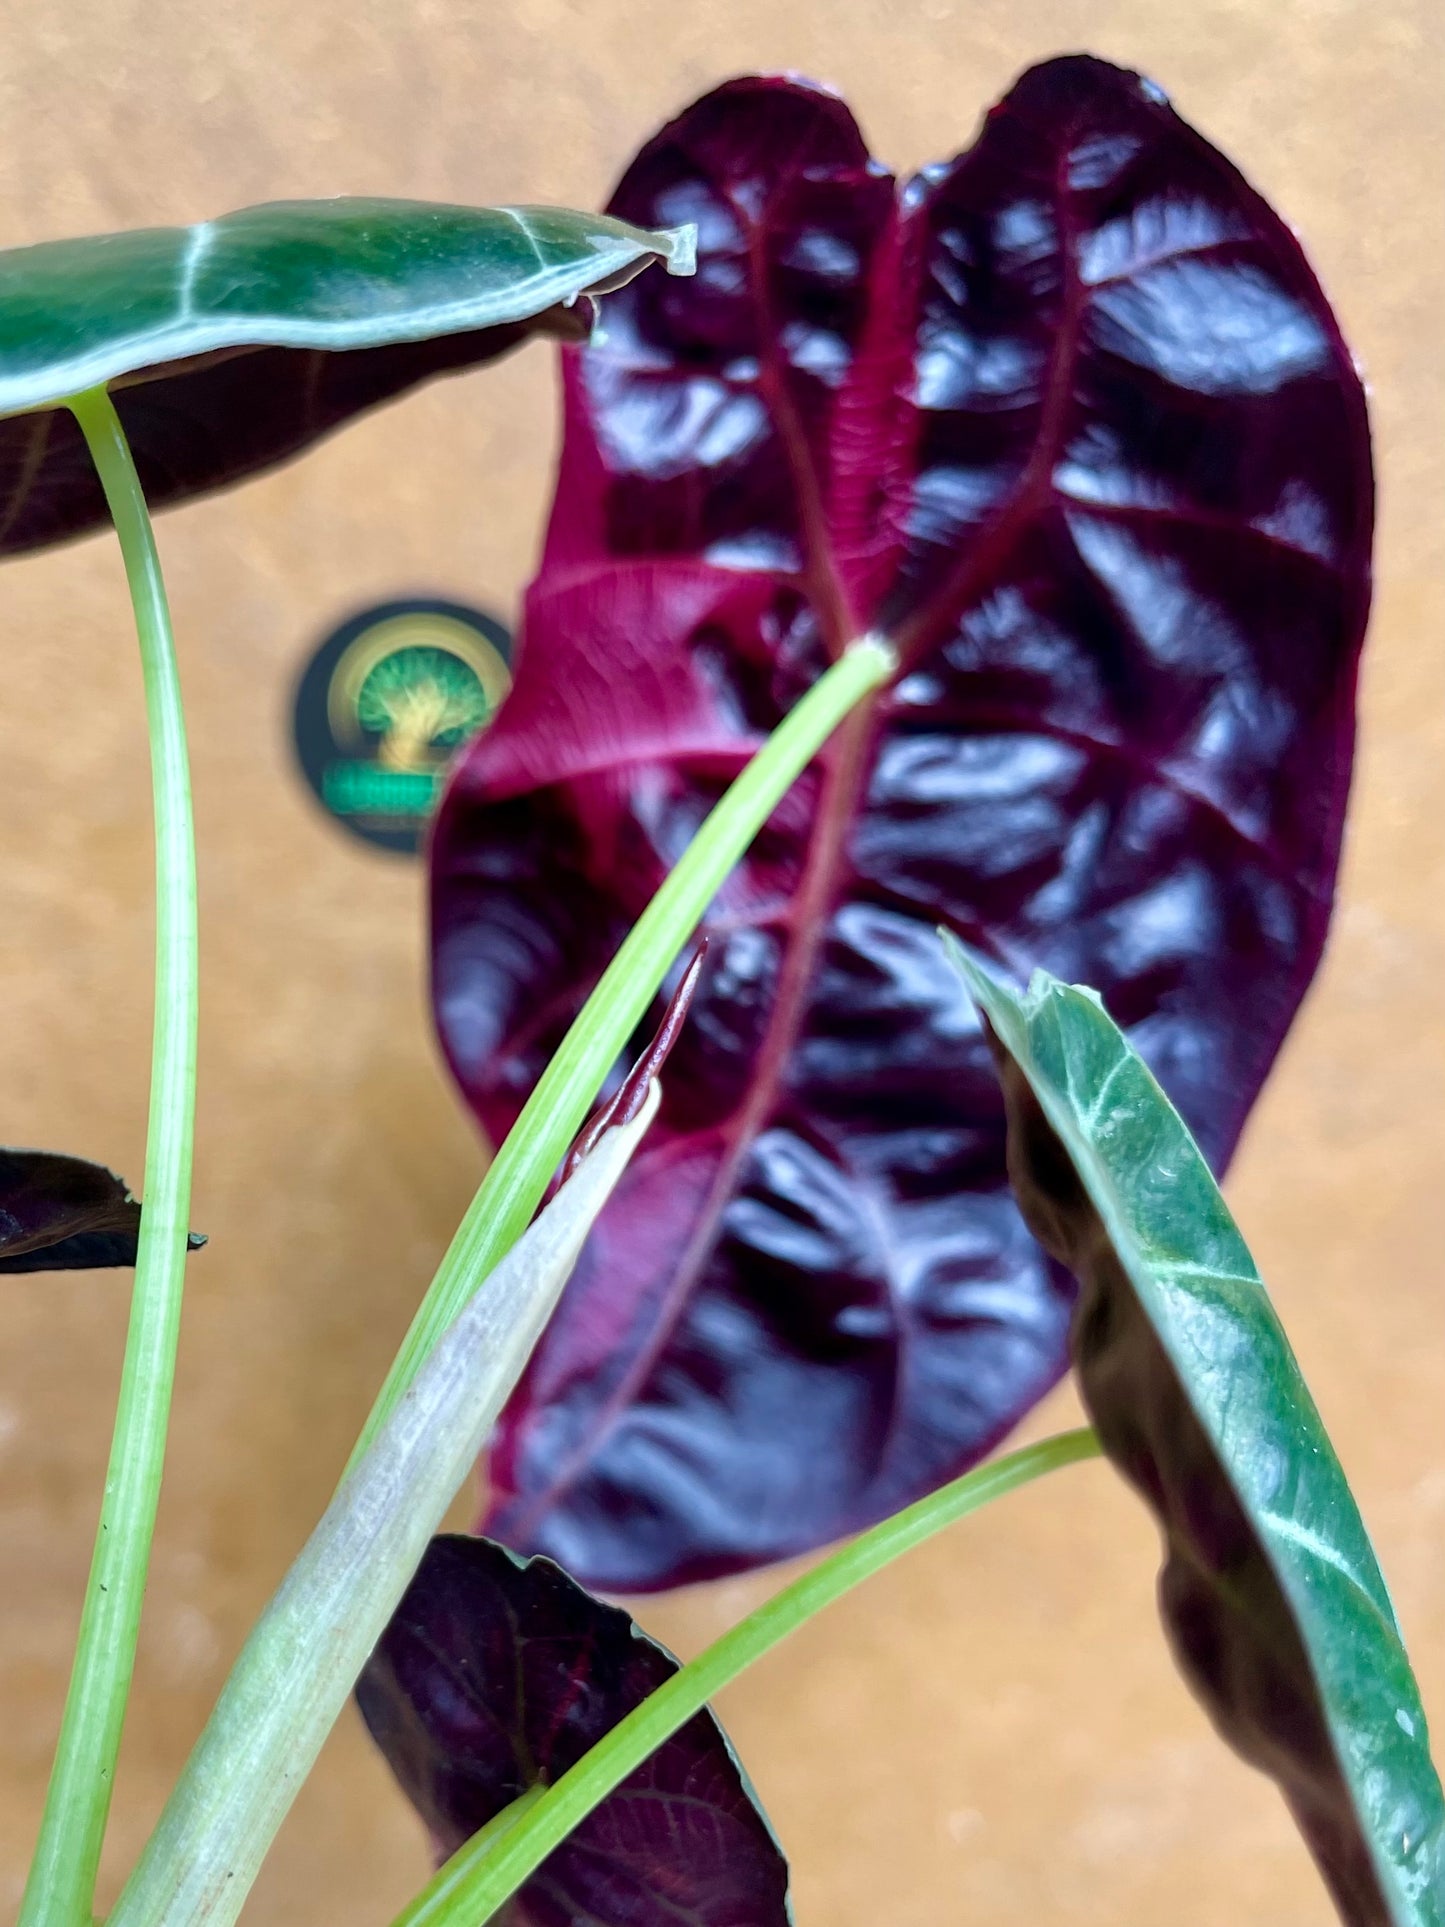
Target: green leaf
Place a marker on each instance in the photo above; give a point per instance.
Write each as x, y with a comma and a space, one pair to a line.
1270, 1591
337, 274
236, 342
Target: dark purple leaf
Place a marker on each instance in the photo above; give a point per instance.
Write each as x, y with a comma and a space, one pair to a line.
59, 1213
497, 1675
1069, 419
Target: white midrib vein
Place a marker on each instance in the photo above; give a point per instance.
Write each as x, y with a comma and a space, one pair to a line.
198, 245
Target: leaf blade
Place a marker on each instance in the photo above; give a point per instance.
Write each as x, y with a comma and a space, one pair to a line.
64, 1213
1271, 1591
495, 1676
1128, 570
237, 341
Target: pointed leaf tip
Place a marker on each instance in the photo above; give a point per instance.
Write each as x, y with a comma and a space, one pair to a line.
682, 257
63, 1213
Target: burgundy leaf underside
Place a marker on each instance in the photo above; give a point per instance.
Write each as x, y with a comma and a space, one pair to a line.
63, 1213
1068, 418
496, 1676
199, 426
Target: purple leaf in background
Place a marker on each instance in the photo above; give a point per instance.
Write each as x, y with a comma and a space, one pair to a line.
60, 1213
497, 1675
1069, 419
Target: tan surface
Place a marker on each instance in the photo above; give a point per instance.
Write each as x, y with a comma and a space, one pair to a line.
991, 1733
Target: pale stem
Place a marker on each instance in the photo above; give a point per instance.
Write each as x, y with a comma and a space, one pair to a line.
61, 1886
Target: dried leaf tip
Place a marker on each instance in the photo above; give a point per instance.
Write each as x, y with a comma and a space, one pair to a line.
682, 255
629, 1100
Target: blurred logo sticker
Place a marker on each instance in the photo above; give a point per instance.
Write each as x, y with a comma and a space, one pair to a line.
385, 704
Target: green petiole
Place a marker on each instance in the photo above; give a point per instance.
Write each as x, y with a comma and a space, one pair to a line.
483, 1875
61, 1886
568, 1088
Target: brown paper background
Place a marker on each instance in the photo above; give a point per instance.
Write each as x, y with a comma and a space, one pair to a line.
990, 1733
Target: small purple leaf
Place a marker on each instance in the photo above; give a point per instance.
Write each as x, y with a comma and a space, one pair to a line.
59, 1213
496, 1675
1069, 420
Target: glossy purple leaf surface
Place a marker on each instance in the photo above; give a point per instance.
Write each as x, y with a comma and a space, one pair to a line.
1070, 420
63, 1213
497, 1675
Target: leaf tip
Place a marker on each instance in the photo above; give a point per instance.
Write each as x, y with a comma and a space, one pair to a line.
681, 254
977, 973
641, 1081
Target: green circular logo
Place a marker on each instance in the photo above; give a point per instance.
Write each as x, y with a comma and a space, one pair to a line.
384, 705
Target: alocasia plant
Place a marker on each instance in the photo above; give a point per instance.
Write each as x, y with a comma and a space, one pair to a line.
994, 549
1068, 421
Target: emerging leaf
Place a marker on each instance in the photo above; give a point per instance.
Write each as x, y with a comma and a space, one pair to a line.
59, 1213
235, 343
496, 1675
1270, 1592
1070, 421
304, 1654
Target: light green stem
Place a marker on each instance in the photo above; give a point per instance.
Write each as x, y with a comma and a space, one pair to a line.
567, 1089
483, 1875
61, 1886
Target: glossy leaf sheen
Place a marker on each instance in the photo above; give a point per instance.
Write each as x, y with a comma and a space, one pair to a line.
59, 1213
237, 342
1270, 1591
1069, 420
495, 1676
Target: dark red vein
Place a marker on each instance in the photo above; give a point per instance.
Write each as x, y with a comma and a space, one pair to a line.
821, 576
927, 627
